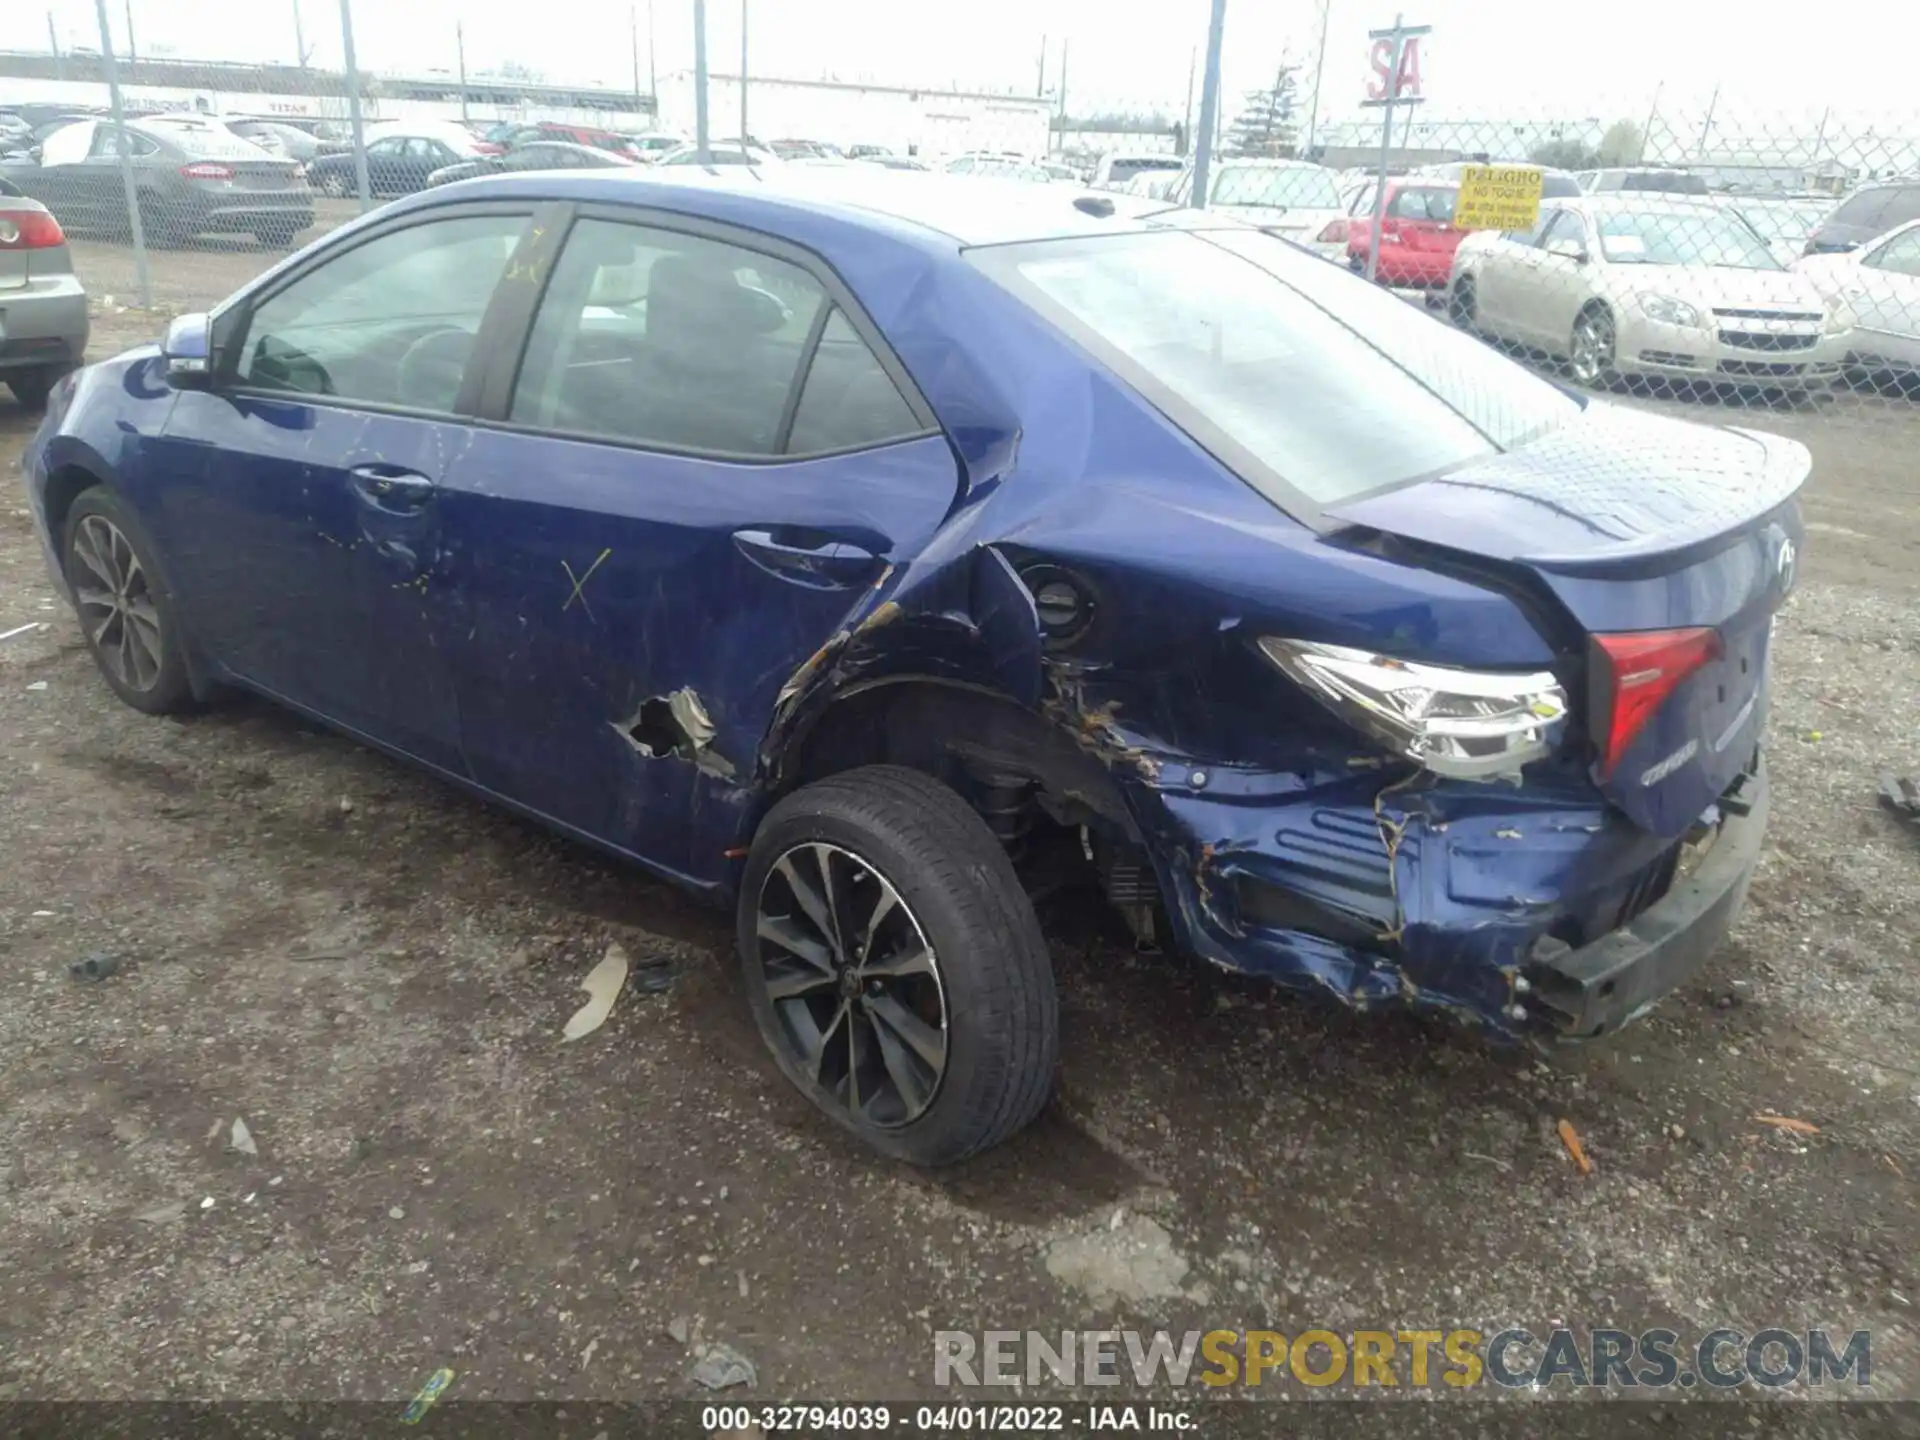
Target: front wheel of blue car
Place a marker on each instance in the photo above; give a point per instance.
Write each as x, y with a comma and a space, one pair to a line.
895, 966
124, 611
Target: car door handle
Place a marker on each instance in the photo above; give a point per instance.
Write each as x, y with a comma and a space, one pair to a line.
391, 488
807, 556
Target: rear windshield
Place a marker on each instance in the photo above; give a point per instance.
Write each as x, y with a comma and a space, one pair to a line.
1121, 170
1664, 182
1425, 202
1558, 187
1307, 187
1313, 385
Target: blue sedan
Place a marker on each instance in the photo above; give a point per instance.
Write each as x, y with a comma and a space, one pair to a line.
864, 551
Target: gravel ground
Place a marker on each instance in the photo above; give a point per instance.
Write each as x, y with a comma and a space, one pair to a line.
372, 971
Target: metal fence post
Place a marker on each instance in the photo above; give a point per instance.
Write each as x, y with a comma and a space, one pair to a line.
700, 138
124, 146
1209, 108
353, 107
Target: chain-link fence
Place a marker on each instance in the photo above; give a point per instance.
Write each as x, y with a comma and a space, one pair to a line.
1709, 253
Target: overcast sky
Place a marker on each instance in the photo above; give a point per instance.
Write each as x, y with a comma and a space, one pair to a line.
1485, 57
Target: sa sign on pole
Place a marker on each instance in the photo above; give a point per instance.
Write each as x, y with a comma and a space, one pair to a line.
1499, 197
1385, 84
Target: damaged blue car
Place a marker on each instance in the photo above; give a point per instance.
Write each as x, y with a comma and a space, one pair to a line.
848, 548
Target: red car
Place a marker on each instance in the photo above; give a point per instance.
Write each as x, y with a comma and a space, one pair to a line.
1417, 235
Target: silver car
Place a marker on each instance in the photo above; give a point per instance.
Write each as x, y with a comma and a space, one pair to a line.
43, 308
1650, 285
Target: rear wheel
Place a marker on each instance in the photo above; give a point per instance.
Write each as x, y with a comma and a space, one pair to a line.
159, 226
1461, 303
1591, 349
124, 611
33, 387
896, 968
334, 185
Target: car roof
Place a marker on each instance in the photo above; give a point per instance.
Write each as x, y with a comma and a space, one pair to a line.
963, 210
1268, 162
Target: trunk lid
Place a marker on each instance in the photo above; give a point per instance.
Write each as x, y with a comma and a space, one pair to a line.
1633, 523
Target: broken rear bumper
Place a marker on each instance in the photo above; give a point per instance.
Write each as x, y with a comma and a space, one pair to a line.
1529, 912
1601, 986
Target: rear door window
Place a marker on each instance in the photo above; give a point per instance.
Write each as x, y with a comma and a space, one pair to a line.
848, 401
391, 321
664, 339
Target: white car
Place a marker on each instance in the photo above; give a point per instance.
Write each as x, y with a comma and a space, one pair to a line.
1880, 284
1294, 199
1650, 285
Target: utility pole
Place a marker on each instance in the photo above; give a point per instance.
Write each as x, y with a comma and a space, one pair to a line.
653, 80
1209, 108
1319, 68
633, 42
744, 131
1399, 35
353, 105
1646, 131
460, 48
1186, 119
701, 148
53, 39
300, 50
1040, 85
121, 143
133, 51
1700, 153
1063, 79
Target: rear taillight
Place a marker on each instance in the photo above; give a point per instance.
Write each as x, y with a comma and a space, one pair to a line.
1465, 724
29, 230
207, 170
1335, 232
1633, 675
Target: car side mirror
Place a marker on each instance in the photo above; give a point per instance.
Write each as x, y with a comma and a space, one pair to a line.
188, 352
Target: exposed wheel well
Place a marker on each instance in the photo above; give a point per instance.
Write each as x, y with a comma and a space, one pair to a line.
62, 486
959, 733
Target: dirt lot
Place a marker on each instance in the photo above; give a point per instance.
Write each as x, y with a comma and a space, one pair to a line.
372, 971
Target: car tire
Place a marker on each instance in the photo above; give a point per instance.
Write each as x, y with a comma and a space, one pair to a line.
1591, 348
1461, 307
943, 1047
126, 615
32, 388
334, 186
160, 230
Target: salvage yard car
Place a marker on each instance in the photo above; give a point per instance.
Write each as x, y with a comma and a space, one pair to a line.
43, 306
1879, 283
850, 547
191, 177
1650, 286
